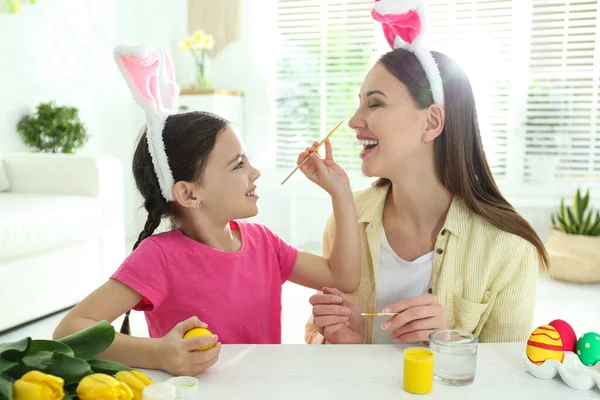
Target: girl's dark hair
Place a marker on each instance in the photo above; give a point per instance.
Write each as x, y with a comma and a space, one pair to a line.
460, 159
189, 138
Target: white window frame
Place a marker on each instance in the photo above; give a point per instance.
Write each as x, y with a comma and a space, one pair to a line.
513, 184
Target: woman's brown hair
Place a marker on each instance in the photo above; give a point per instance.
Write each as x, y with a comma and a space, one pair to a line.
459, 156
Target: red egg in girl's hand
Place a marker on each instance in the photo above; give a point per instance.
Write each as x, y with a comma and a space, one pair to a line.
567, 334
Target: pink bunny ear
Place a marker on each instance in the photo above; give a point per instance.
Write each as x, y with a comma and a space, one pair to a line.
399, 18
169, 88
403, 23
140, 66
150, 76
406, 26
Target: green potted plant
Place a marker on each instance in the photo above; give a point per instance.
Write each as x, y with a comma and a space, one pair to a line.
53, 129
574, 242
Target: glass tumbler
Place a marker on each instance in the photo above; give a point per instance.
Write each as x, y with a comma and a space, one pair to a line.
455, 356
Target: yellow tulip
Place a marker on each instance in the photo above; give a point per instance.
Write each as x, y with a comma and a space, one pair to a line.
208, 42
182, 46
198, 36
36, 385
103, 387
136, 381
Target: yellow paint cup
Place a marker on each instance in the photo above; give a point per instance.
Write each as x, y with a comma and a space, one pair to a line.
418, 370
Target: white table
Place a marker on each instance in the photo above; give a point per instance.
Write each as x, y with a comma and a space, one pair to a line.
363, 372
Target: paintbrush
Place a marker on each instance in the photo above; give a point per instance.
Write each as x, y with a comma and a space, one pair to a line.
306, 159
382, 314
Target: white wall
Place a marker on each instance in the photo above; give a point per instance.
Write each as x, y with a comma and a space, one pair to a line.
62, 50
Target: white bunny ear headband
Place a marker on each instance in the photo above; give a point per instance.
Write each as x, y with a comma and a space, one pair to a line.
150, 76
403, 26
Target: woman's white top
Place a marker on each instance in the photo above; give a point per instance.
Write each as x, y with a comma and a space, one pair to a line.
397, 280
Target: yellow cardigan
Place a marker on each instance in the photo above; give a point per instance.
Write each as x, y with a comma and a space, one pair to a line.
485, 277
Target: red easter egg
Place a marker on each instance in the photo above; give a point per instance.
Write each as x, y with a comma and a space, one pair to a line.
567, 334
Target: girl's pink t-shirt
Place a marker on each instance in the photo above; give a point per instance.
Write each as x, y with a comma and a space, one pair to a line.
238, 294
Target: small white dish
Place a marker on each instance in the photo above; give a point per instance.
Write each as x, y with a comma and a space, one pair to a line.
159, 391
186, 386
571, 370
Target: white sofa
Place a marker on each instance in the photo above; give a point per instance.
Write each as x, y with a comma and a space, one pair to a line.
61, 231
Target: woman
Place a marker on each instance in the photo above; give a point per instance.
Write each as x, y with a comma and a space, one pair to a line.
440, 244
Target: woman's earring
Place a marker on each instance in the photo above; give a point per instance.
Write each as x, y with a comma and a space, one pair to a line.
198, 205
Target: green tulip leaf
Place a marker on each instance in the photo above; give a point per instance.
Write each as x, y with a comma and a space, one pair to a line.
71, 369
71, 389
107, 367
7, 365
49, 345
17, 371
70, 396
15, 351
90, 342
6, 388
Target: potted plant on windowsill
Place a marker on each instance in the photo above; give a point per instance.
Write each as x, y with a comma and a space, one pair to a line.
574, 242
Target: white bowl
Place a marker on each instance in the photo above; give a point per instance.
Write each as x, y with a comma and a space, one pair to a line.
186, 386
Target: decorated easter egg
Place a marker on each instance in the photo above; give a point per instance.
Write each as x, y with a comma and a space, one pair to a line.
588, 349
544, 344
199, 332
567, 334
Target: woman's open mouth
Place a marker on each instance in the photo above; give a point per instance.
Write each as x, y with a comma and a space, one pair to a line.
368, 146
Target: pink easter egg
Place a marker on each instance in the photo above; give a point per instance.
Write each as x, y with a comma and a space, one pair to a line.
567, 334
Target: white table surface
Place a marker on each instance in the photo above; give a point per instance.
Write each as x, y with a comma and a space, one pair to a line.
269, 372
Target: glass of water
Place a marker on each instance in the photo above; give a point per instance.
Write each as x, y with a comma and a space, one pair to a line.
455, 356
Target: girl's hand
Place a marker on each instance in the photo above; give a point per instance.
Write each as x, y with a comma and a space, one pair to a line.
324, 172
419, 317
178, 356
337, 317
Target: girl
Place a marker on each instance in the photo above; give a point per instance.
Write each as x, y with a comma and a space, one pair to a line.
211, 269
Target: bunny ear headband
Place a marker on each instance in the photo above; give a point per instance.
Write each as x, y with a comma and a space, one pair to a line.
403, 25
150, 76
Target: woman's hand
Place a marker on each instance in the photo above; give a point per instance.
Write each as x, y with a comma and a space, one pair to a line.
324, 172
179, 356
337, 317
418, 317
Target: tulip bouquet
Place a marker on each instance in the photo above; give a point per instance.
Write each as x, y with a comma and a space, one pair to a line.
197, 45
67, 369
